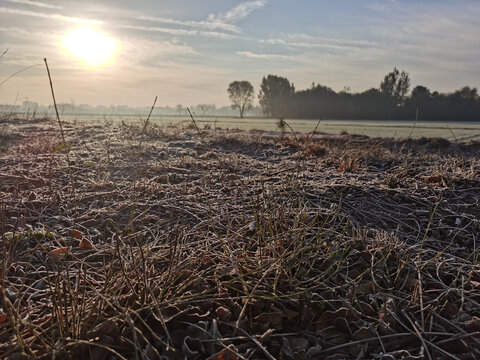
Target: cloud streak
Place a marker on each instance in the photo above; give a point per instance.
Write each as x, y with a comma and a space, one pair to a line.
223, 21
34, 3
180, 32
314, 42
208, 25
20, 12
240, 11
265, 56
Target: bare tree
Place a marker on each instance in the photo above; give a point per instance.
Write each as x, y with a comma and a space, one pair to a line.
206, 108
241, 93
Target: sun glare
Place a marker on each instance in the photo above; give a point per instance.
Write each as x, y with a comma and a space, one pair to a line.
93, 47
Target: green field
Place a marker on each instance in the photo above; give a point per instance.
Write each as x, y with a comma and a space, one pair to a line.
461, 131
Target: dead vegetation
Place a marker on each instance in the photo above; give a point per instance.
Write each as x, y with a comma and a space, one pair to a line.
166, 244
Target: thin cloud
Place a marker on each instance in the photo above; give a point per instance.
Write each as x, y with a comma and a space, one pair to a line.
265, 56
218, 35
209, 25
179, 32
49, 16
164, 30
223, 21
35, 3
313, 42
16, 30
241, 11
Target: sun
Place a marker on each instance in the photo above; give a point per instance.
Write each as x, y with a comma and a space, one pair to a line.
91, 46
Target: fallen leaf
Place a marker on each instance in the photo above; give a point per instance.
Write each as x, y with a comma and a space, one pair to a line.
75, 234
274, 319
225, 354
86, 244
342, 324
107, 327
367, 288
475, 284
224, 314
363, 334
298, 344
3, 317
313, 352
473, 325
59, 253
328, 317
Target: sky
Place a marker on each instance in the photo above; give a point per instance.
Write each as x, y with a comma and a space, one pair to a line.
187, 52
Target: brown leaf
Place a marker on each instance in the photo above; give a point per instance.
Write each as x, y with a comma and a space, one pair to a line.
475, 284
298, 344
433, 179
107, 327
3, 317
101, 353
86, 244
273, 318
225, 354
327, 332
224, 314
342, 324
328, 317
269, 317
367, 288
313, 352
450, 309
363, 333
59, 253
473, 325
76, 234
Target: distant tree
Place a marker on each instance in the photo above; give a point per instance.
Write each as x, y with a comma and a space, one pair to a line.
241, 93
206, 108
275, 95
467, 94
317, 102
420, 94
396, 85
180, 109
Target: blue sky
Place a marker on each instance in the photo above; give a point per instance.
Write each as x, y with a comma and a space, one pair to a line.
189, 51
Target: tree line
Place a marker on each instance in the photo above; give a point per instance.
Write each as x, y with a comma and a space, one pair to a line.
392, 100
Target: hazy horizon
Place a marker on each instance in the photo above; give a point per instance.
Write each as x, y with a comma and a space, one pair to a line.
187, 52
